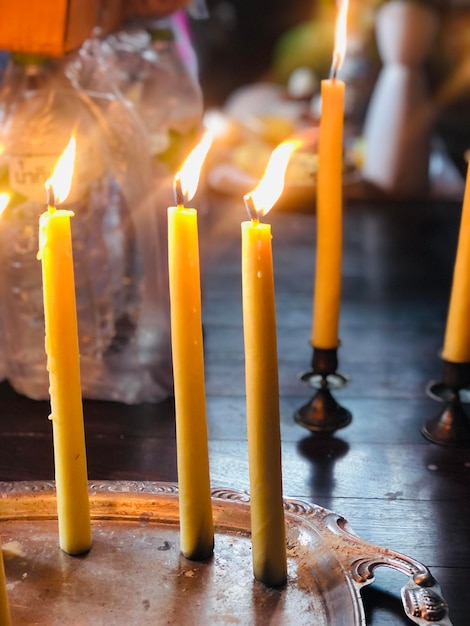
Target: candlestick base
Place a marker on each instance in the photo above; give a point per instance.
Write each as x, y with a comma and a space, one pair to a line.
452, 426
323, 413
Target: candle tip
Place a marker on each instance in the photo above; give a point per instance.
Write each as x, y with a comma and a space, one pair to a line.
50, 194
178, 191
250, 207
335, 66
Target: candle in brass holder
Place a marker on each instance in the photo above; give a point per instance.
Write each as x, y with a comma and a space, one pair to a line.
323, 413
452, 426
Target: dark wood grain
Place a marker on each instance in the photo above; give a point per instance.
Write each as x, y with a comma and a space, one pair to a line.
394, 487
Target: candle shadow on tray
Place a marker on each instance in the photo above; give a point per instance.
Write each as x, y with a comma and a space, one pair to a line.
267, 603
322, 450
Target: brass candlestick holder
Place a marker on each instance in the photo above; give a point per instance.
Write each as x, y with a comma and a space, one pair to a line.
452, 426
323, 413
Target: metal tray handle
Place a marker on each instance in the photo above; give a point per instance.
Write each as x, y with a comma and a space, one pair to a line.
421, 596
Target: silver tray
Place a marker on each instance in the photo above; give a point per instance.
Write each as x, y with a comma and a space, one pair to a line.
135, 575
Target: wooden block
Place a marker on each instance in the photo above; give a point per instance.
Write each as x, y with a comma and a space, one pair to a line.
49, 28
56, 26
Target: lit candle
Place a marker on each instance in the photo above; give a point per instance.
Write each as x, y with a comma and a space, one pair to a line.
457, 336
195, 508
55, 252
261, 375
4, 608
327, 290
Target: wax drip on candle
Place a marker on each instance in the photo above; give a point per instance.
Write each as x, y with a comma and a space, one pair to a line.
251, 209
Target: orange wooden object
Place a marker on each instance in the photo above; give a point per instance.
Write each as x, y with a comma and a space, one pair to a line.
50, 28
55, 27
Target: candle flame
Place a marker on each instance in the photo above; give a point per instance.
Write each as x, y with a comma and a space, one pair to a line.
4, 200
270, 188
187, 179
61, 180
340, 37
188, 176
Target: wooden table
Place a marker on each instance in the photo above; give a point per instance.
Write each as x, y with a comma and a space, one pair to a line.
395, 488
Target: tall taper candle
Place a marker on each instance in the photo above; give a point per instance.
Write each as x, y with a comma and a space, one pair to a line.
63, 364
457, 336
196, 525
262, 401
327, 291
329, 217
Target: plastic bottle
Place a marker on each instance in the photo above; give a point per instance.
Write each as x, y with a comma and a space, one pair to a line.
42, 103
39, 113
181, 91
143, 366
152, 74
167, 97
172, 83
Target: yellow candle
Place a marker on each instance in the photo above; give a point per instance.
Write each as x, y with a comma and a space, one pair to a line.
4, 608
196, 525
63, 364
262, 384
262, 399
327, 292
329, 217
457, 336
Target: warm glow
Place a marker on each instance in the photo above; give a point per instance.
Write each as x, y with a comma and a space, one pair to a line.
187, 178
216, 122
61, 179
4, 200
265, 195
189, 174
340, 36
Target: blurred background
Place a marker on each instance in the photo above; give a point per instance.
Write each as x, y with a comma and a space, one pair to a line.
135, 82
267, 40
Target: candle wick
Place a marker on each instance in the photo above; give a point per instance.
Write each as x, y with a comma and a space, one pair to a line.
178, 191
335, 65
50, 195
251, 209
